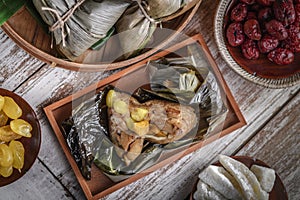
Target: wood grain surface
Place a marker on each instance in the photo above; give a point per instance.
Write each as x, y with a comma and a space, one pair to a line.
272, 133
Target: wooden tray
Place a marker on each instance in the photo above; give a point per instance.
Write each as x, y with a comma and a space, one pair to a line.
27, 33
100, 185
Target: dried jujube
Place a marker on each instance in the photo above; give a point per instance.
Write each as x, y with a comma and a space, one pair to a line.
275, 28
251, 15
281, 56
250, 49
267, 44
249, 2
284, 11
235, 34
265, 14
293, 40
239, 12
265, 2
270, 27
252, 29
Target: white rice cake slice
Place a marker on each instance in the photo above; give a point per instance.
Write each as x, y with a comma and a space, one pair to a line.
205, 192
220, 180
248, 182
266, 176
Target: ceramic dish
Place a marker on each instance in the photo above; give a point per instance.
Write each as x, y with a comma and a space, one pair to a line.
31, 145
260, 71
278, 192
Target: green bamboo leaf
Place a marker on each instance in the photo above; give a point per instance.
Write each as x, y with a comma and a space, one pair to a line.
8, 8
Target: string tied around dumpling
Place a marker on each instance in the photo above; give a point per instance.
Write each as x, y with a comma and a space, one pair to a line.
155, 21
61, 20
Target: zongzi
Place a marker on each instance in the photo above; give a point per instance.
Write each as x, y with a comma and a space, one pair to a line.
77, 25
137, 24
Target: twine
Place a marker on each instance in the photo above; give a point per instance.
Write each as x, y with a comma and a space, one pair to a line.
61, 20
139, 2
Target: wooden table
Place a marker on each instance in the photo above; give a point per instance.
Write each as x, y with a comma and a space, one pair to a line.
272, 133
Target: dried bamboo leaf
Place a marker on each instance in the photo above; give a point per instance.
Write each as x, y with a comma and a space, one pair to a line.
89, 23
136, 27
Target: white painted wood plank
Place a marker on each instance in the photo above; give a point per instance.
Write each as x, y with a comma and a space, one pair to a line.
36, 184
15, 64
278, 144
47, 86
174, 181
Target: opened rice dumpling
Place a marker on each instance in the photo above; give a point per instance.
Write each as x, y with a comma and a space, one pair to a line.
77, 25
132, 123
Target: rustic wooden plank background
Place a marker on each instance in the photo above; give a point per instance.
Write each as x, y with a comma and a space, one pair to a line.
272, 133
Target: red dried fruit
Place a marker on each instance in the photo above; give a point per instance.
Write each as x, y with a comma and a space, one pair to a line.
284, 11
252, 29
267, 43
265, 2
276, 29
281, 56
250, 49
293, 41
239, 12
235, 34
265, 14
297, 12
249, 2
255, 7
251, 15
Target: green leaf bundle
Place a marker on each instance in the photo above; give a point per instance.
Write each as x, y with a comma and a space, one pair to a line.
9, 8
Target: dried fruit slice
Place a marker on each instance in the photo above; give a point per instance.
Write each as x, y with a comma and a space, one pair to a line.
247, 180
266, 176
18, 152
3, 118
7, 135
6, 156
11, 108
220, 180
6, 171
21, 127
1, 102
204, 191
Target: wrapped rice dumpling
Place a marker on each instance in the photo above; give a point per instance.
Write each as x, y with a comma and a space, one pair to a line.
140, 20
77, 25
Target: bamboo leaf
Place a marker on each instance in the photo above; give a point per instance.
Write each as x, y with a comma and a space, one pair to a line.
8, 8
